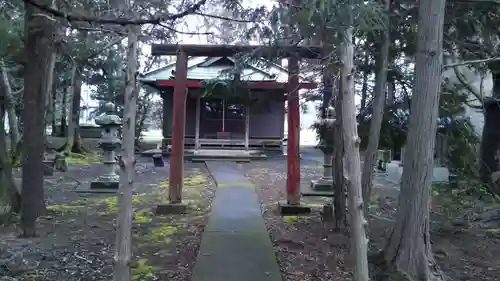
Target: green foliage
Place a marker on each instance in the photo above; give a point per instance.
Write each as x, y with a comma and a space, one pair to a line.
11, 31
462, 140
331, 17
393, 130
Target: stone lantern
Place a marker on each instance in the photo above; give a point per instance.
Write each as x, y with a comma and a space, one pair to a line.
325, 183
110, 123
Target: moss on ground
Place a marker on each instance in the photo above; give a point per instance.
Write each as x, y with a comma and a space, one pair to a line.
494, 232
111, 203
64, 208
83, 159
290, 219
142, 271
158, 235
195, 180
143, 216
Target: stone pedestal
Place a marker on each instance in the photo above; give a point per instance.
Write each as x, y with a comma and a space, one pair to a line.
287, 209
170, 209
326, 181
158, 160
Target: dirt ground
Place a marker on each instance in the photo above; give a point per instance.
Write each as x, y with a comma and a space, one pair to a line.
466, 235
76, 237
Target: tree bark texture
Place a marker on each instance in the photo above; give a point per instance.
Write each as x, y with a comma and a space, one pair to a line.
48, 89
409, 246
74, 110
127, 174
52, 114
377, 110
352, 163
10, 106
9, 194
339, 199
364, 87
64, 113
39, 33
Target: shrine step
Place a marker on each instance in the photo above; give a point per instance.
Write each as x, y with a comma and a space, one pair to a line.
235, 245
222, 154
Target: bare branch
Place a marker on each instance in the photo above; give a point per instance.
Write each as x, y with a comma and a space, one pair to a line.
119, 21
223, 18
463, 80
470, 62
184, 32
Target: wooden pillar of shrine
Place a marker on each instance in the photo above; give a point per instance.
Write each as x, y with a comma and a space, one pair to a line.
293, 150
176, 175
197, 129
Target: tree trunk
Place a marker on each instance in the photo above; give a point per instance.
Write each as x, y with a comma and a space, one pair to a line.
409, 246
9, 195
377, 111
127, 165
77, 144
39, 32
339, 199
74, 111
10, 106
53, 112
490, 139
364, 87
48, 90
64, 110
352, 163
390, 92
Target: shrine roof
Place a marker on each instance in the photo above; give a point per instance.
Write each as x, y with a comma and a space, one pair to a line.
209, 68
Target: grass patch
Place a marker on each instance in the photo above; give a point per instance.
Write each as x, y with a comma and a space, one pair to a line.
290, 219
64, 208
494, 232
142, 216
111, 203
195, 180
83, 159
159, 234
142, 271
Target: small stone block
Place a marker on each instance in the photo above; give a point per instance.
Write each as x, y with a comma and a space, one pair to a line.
61, 164
85, 188
307, 190
158, 160
105, 185
168, 209
286, 209
322, 185
48, 168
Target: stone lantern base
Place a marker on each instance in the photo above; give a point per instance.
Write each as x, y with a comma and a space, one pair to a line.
105, 184
102, 184
322, 184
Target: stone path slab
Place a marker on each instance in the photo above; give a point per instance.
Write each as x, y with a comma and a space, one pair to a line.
235, 245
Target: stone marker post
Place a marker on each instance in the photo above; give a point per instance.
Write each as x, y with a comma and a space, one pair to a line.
110, 123
325, 183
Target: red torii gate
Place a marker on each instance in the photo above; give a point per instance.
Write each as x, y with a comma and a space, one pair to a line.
292, 52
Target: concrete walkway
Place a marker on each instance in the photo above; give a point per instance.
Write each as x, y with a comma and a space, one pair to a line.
235, 245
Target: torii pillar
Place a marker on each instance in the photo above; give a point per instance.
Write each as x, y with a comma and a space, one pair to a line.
292, 206
176, 173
